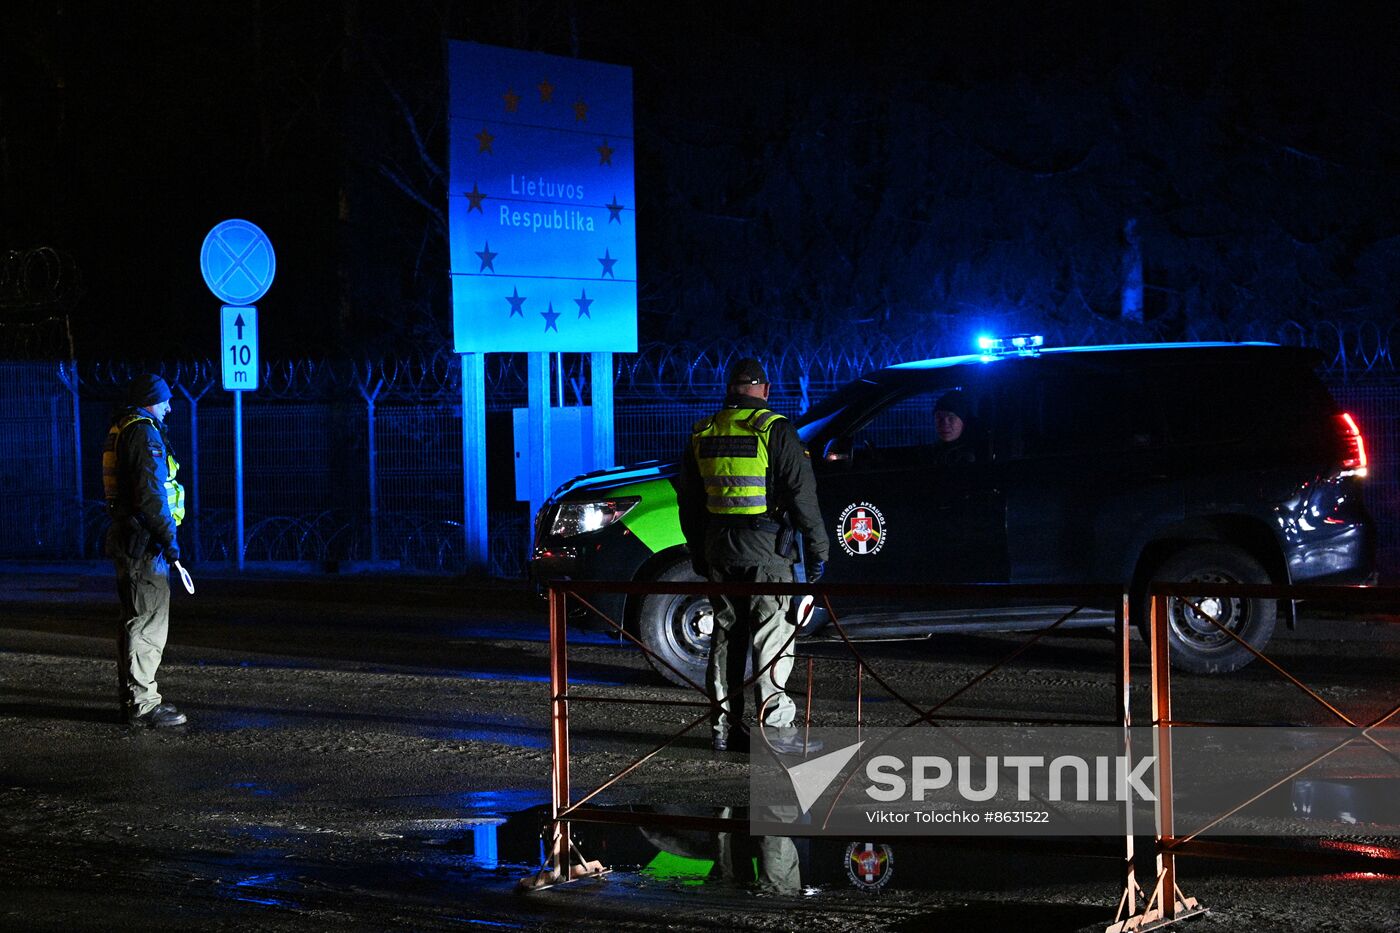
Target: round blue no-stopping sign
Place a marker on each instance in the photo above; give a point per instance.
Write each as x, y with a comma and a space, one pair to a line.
238, 262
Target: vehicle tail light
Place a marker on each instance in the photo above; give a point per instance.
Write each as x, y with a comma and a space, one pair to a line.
1353, 445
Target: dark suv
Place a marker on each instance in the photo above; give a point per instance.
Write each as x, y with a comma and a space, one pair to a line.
1187, 462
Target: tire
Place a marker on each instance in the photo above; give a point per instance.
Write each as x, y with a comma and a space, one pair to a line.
676, 627
1196, 645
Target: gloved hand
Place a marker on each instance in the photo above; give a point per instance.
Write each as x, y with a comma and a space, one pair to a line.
815, 567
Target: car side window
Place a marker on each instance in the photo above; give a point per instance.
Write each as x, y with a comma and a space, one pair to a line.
1210, 405
904, 433
1090, 413
907, 422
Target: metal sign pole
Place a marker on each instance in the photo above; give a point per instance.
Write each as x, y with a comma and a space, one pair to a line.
238, 474
601, 379
541, 432
475, 528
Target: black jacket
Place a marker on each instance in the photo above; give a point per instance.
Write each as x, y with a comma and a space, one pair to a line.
141, 473
792, 488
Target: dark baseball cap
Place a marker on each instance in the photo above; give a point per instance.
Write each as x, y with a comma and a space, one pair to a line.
748, 371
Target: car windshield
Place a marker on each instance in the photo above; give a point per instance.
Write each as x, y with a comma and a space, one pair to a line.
838, 408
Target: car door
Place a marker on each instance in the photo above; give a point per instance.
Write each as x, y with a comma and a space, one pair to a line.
1086, 473
896, 512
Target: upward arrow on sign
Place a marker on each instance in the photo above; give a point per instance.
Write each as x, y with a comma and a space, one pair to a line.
238, 338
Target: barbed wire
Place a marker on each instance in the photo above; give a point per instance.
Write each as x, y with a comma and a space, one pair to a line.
44, 339
687, 370
42, 278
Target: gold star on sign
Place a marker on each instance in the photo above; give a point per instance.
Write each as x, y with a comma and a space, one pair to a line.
580, 111
484, 140
605, 154
546, 91
476, 197
512, 100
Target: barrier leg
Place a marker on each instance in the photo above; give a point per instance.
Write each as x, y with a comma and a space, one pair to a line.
807, 715
566, 863
1132, 891
1166, 904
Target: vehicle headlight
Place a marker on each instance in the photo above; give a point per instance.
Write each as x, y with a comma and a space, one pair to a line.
576, 518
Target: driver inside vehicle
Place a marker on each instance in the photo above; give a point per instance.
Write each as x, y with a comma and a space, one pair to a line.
951, 422
915, 431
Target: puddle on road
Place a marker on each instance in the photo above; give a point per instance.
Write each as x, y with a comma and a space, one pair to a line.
537, 633
518, 736
535, 678
432, 867
689, 858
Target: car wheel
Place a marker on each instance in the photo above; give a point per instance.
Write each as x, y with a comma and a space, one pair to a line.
1196, 644
677, 627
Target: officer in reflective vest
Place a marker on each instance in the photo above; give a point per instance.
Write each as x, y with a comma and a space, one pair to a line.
146, 504
744, 476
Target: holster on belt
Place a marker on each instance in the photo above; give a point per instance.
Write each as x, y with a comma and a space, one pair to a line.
138, 539
786, 545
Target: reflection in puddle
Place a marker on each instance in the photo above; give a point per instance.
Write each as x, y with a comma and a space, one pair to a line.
522, 678
519, 736
484, 850
257, 883
264, 790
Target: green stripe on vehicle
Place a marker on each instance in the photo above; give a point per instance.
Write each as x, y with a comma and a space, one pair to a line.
656, 521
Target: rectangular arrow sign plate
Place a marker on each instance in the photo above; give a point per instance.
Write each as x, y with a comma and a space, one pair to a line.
238, 347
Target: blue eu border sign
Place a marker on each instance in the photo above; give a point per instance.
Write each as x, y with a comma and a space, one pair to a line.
541, 203
238, 347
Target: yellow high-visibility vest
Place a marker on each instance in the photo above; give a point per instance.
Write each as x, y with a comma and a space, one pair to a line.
731, 449
174, 492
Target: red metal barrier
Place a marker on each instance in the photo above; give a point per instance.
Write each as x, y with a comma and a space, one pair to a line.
1163, 905
1166, 903
566, 863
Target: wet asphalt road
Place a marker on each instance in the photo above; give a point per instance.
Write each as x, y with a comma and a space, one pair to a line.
371, 753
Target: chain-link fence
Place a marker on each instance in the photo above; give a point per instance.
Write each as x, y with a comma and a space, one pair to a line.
314, 498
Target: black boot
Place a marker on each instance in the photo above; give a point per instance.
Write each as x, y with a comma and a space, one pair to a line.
161, 717
732, 740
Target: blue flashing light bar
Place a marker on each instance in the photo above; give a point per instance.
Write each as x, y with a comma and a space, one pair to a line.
1025, 344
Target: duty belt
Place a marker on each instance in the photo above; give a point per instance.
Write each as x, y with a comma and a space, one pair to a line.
750, 522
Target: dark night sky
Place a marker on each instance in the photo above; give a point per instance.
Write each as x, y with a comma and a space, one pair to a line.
803, 169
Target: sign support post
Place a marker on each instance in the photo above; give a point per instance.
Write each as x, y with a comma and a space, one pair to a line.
238, 475
541, 432
600, 378
475, 530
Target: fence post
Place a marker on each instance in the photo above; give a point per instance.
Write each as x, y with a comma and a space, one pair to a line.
192, 500
373, 470
68, 374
